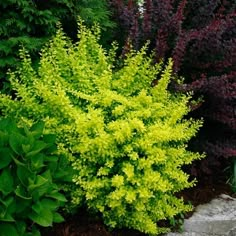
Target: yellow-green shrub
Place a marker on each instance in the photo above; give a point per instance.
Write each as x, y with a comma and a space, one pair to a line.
126, 139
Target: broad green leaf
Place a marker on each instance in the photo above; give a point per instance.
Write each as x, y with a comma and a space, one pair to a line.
9, 204
4, 137
16, 140
43, 187
51, 149
26, 148
37, 207
8, 229
57, 218
58, 196
52, 166
26, 130
24, 174
39, 181
49, 138
38, 147
35, 232
37, 161
6, 182
21, 227
45, 218
49, 204
45, 204
51, 158
7, 218
21, 193
7, 208
8, 125
18, 162
23, 204
37, 129
47, 175
5, 157
64, 175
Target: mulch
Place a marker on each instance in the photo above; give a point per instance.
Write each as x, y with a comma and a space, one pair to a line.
84, 225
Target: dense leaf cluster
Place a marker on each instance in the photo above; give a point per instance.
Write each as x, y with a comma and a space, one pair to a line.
126, 139
31, 177
200, 36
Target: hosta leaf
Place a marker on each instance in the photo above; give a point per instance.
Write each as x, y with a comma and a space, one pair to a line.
38, 147
44, 218
5, 157
8, 125
57, 196
3, 138
52, 166
49, 204
37, 161
21, 193
26, 148
6, 182
37, 129
49, 138
10, 206
21, 227
43, 186
47, 175
51, 148
57, 218
16, 140
23, 205
7, 218
8, 229
18, 162
23, 173
35, 232
40, 181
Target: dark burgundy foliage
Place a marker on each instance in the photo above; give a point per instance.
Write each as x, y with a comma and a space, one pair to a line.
200, 36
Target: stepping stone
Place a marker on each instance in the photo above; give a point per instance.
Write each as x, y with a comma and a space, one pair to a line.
215, 218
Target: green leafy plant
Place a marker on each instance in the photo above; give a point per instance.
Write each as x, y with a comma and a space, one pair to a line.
30, 178
126, 140
32, 24
177, 222
234, 176
231, 172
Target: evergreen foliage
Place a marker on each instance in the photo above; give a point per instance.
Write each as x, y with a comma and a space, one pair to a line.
32, 23
200, 36
126, 140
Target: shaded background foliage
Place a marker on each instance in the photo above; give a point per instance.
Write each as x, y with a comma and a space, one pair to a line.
200, 36
32, 23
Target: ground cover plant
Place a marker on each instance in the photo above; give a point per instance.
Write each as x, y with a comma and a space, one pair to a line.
31, 179
126, 140
200, 36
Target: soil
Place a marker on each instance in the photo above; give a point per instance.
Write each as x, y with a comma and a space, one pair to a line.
84, 225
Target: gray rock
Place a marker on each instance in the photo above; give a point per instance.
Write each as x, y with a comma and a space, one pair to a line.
215, 218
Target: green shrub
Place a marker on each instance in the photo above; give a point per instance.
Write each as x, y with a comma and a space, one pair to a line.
125, 138
30, 177
32, 23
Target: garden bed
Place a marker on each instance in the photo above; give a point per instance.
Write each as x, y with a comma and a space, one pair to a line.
83, 225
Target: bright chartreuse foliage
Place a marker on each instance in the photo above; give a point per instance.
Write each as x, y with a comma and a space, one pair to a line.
31, 177
126, 140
